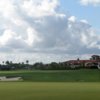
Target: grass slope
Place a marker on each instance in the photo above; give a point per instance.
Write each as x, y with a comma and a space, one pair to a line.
56, 76
49, 91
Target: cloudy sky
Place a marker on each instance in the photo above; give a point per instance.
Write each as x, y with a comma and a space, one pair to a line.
49, 30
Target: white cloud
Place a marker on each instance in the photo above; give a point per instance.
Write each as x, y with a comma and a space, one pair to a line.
7, 35
32, 36
72, 19
36, 8
37, 26
93, 2
84, 21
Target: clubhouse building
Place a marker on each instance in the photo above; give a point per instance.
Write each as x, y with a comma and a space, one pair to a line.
93, 62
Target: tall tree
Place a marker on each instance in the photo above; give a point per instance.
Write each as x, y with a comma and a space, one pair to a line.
27, 62
7, 62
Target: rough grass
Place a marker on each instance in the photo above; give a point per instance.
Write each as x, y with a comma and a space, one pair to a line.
49, 91
82, 75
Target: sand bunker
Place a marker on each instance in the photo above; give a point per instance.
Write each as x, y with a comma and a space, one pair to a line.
4, 78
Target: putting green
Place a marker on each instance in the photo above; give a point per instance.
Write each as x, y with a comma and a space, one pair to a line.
49, 91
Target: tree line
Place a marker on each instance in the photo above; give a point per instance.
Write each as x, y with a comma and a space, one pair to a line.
9, 65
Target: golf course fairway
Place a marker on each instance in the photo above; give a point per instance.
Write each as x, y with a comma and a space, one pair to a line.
49, 91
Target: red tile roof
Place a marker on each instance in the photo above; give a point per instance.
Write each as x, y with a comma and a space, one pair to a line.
82, 61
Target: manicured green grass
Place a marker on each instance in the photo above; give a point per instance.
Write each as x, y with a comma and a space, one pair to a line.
52, 85
83, 75
49, 91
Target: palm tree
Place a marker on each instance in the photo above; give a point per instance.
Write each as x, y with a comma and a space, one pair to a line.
27, 62
28, 66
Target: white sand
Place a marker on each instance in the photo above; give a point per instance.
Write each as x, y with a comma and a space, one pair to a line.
4, 78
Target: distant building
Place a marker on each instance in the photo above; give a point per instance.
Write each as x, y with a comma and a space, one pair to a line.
94, 62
